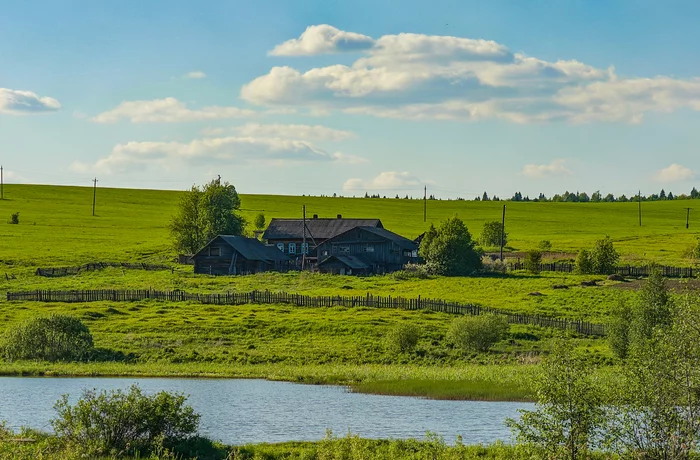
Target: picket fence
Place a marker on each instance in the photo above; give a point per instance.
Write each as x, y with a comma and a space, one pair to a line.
67, 271
268, 297
624, 270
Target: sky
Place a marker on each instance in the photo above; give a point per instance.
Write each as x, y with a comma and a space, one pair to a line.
383, 96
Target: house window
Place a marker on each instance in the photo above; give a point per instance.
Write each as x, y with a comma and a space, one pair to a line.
304, 248
280, 246
292, 248
369, 248
215, 252
335, 249
325, 253
344, 249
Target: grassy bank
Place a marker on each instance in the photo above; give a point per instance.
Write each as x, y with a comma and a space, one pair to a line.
473, 390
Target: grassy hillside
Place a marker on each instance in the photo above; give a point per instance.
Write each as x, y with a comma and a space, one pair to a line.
56, 226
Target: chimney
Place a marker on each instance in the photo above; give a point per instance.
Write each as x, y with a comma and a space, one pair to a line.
315, 216
340, 216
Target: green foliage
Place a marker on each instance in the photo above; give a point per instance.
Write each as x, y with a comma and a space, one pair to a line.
533, 261
653, 309
50, 338
259, 221
204, 213
618, 329
693, 251
569, 415
124, 423
449, 249
544, 245
14, 218
491, 234
604, 257
402, 338
477, 333
584, 262
411, 272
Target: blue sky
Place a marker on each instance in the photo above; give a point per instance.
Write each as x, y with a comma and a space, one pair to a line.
323, 97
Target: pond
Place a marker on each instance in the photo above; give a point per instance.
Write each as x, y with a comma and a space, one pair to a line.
238, 411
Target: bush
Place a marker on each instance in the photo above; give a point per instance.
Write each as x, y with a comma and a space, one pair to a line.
449, 249
50, 338
533, 261
477, 333
412, 271
494, 265
14, 219
584, 262
618, 330
693, 252
259, 221
545, 245
491, 234
402, 338
604, 256
124, 423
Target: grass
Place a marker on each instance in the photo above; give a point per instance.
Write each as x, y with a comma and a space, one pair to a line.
473, 390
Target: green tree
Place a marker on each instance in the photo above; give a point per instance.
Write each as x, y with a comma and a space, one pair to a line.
477, 333
491, 234
569, 414
259, 221
653, 309
204, 213
449, 249
618, 330
604, 257
584, 262
50, 338
533, 261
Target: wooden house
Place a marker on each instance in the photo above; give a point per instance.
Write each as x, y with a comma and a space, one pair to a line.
237, 255
364, 250
294, 238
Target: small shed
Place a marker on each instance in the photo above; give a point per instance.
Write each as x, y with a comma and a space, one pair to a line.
344, 265
238, 255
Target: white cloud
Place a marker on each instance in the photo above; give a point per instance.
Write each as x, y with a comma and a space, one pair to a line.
168, 110
675, 173
419, 76
18, 102
212, 131
307, 132
387, 180
195, 75
13, 177
322, 39
555, 168
220, 150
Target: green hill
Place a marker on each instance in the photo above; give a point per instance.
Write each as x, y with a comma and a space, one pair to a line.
57, 227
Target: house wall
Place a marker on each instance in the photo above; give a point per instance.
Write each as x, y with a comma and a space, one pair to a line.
298, 243
208, 262
385, 256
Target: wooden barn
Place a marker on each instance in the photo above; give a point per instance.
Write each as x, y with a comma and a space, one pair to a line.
364, 250
237, 255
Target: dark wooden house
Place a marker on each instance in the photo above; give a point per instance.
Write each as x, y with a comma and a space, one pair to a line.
363, 250
294, 239
237, 255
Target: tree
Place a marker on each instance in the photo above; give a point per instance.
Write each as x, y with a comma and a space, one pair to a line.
204, 213
604, 257
569, 415
584, 262
694, 193
485, 197
259, 221
533, 261
491, 234
652, 310
449, 249
618, 330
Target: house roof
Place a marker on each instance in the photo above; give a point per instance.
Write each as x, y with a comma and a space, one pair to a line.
251, 248
350, 261
319, 229
399, 240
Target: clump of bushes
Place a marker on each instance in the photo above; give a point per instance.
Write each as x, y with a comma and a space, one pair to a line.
402, 338
545, 245
449, 250
119, 423
49, 338
477, 333
14, 218
533, 261
412, 271
601, 260
693, 252
491, 234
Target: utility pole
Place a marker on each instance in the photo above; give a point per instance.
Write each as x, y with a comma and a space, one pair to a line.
425, 203
640, 208
2, 185
94, 195
687, 217
303, 240
503, 230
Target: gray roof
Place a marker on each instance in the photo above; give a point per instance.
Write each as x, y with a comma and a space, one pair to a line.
251, 248
351, 261
400, 241
319, 229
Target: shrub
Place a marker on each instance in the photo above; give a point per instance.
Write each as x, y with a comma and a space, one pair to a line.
694, 251
51, 338
14, 219
604, 257
618, 330
584, 262
412, 271
533, 261
494, 265
477, 333
124, 423
259, 221
491, 234
402, 338
449, 249
545, 245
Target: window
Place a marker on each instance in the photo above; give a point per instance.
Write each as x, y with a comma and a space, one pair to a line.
304, 248
280, 246
325, 253
344, 249
216, 252
369, 248
292, 248
335, 249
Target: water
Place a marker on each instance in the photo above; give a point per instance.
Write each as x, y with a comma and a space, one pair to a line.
253, 411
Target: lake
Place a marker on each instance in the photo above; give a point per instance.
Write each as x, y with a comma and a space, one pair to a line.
238, 411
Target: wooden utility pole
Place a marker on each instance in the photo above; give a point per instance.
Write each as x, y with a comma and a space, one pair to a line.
503, 230
640, 207
303, 240
94, 195
2, 184
687, 217
425, 203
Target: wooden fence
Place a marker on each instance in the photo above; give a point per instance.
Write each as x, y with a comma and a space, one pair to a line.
66, 271
267, 297
624, 270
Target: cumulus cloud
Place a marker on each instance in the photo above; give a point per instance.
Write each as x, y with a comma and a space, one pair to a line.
18, 102
418, 76
195, 75
555, 168
387, 180
307, 132
675, 173
219, 150
168, 110
323, 39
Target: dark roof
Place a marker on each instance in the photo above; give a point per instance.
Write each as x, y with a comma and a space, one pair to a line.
399, 240
251, 248
351, 261
319, 229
